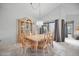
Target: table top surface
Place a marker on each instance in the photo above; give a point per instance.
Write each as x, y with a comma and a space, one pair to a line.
37, 37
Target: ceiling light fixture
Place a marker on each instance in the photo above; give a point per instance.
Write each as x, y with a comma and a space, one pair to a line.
34, 5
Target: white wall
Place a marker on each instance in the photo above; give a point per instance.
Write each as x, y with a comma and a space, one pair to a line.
68, 12
9, 13
63, 10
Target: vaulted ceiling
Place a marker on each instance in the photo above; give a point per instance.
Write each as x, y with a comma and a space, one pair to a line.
36, 10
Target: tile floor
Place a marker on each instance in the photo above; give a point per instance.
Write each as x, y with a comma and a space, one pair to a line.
68, 48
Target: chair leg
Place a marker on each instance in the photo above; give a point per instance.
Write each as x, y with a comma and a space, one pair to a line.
20, 50
47, 49
24, 49
43, 51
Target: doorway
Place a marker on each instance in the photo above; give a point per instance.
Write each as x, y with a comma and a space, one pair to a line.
70, 28
52, 27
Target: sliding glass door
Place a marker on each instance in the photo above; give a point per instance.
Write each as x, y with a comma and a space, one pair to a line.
70, 29
51, 27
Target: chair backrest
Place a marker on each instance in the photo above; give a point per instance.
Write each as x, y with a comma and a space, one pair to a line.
22, 31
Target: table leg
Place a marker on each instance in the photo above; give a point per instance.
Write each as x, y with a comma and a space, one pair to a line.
36, 47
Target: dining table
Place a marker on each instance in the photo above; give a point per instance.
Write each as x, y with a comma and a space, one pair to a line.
36, 41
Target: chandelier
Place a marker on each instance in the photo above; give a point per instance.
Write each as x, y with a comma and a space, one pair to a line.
35, 5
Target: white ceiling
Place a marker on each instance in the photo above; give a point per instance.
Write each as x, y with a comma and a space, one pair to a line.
41, 10
33, 10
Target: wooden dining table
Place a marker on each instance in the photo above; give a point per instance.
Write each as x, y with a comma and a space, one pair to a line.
35, 39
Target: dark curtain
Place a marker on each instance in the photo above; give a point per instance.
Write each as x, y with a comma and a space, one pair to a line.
62, 30
73, 29
56, 35
66, 30
41, 30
